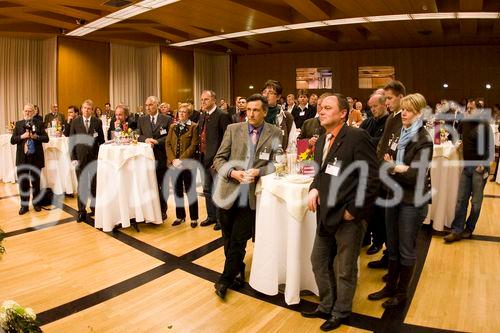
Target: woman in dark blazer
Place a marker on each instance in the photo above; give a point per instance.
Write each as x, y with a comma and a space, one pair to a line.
181, 145
410, 172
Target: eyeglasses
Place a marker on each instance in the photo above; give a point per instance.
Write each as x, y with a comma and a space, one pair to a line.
269, 92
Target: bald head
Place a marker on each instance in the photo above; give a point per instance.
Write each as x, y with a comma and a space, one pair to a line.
377, 105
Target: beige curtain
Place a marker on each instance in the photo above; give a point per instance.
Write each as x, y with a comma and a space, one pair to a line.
20, 77
134, 74
211, 72
49, 74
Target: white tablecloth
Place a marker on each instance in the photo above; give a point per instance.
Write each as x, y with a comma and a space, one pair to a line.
445, 176
284, 238
58, 174
126, 186
7, 160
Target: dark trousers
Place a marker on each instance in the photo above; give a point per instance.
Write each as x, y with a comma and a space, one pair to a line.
402, 225
208, 183
27, 173
376, 225
182, 180
334, 261
163, 188
237, 224
87, 176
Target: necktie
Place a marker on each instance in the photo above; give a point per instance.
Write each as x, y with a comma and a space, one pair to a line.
254, 136
87, 125
326, 148
152, 121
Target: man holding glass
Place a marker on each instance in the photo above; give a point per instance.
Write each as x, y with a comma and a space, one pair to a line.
244, 155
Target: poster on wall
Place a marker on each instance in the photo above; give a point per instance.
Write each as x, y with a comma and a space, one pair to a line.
374, 77
314, 78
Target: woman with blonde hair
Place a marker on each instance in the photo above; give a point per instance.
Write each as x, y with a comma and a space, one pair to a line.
181, 144
403, 221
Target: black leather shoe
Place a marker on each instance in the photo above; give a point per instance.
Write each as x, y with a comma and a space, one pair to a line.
217, 226
221, 289
92, 213
239, 281
373, 249
82, 217
207, 222
332, 324
382, 263
178, 221
37, 208
466, 234
398, 301
316, 314
23, 210
383, 293
194, 223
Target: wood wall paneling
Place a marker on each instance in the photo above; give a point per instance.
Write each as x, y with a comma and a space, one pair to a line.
177, 75
82, 72
466, 69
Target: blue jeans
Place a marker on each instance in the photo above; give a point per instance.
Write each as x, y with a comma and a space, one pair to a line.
402, 225
471, 183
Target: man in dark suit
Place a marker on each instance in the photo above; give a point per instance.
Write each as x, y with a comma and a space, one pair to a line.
375, 127
212, 125
240, 112
244, 155
311, 128
53, 115
120, 120
347, 165
153, 129
303, 110
85, 136
72, 114
28, 135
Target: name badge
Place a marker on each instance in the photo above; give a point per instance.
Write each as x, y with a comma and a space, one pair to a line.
33, 128
302, 113
394, 146
95, 135
264, 156
283, 132
163, 131
332, 169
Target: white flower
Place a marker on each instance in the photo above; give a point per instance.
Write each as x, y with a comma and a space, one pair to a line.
30, 313
8, 305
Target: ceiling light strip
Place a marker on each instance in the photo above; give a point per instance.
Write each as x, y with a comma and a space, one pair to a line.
120, 15
353, 20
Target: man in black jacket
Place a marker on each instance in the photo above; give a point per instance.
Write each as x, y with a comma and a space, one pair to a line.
478, 151
85, 137
72, 114
341, 193
120, 120
212, 125
375, 127
28, 135
153, 129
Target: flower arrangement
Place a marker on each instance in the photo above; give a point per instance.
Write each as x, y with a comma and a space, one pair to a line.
59, 128
11, 126
14, 318
307, 155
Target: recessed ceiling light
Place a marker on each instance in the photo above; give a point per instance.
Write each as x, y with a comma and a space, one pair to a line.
445, 85
488, 86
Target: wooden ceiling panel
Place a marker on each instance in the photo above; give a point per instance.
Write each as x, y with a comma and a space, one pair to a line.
191, 19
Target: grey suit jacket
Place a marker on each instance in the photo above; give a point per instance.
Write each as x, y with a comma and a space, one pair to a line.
234, 153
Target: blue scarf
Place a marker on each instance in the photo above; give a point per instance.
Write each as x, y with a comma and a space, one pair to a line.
406, 135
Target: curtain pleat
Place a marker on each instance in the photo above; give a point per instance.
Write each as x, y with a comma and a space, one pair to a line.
134, 74
21, 77
211, 72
